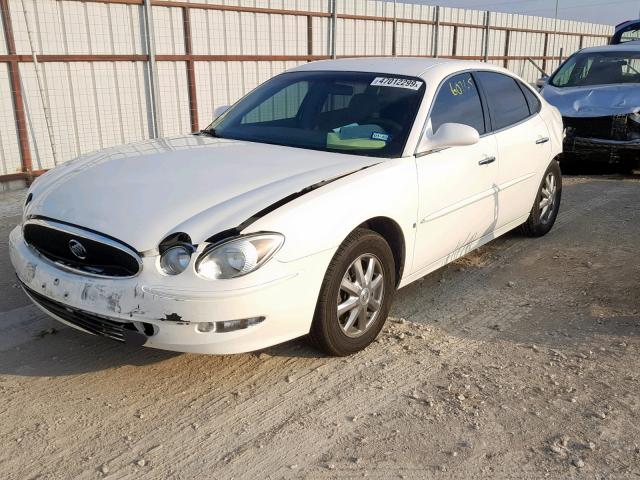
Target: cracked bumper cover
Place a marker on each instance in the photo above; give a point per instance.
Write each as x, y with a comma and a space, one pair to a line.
586, 145
284, 293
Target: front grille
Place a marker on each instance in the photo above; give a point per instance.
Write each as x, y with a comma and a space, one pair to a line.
608, 128
81, 250
85, 320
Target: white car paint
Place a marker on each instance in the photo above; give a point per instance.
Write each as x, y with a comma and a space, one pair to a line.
443, 202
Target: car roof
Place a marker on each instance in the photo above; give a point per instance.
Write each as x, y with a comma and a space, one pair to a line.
421, 67
633, 46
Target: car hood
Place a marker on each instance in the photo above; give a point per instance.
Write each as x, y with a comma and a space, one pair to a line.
594, 101
141, 193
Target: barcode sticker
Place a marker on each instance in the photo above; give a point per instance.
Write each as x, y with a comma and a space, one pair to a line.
396, 83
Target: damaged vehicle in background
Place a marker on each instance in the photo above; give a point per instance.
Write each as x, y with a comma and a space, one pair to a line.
628, 31
300, 210
597, 91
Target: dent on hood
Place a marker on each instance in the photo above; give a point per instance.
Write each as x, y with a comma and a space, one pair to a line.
594, 101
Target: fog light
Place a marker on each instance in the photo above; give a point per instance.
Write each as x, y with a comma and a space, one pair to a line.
176, 259
205, 327
232, 325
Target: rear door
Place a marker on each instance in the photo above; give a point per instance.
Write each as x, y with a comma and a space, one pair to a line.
523, 143
457, 202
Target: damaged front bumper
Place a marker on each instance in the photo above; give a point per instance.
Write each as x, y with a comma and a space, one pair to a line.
604, 149
188, 315
605, 139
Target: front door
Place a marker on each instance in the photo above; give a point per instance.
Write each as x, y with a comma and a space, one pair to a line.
458, 195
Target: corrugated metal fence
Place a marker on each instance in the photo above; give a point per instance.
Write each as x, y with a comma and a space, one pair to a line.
80, 75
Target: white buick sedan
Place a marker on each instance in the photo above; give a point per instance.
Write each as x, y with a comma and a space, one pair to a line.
299, 211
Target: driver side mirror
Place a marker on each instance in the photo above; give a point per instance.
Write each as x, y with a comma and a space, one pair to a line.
542, 81
448, 135
220, 110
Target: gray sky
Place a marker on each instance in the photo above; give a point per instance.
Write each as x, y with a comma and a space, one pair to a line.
610, 12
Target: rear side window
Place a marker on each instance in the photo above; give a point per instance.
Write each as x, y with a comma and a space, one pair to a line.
532, 99
507, 103
458, 101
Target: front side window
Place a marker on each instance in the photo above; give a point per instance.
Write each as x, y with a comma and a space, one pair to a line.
598, 68
458, 101
352, 112
505, 99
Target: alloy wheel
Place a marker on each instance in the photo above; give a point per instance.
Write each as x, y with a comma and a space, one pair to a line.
360, 295
547, 198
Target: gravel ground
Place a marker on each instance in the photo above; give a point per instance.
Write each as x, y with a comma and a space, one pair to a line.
520, 360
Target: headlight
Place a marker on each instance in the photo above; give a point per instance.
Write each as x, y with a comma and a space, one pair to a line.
635, 116
176, 259
239, 256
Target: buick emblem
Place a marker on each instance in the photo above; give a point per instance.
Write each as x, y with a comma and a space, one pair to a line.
77, 249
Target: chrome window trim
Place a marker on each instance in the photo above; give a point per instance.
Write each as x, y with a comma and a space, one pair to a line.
88, 235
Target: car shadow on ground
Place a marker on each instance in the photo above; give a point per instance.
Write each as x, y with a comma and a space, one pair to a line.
65, 351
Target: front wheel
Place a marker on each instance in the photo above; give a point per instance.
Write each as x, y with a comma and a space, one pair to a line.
355, 296
547, 203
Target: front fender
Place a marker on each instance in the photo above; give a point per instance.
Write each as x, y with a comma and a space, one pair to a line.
322, 219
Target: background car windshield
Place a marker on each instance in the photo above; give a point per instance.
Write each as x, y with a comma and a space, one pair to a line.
359, 113
599, 68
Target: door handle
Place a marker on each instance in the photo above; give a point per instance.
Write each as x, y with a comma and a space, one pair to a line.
542, 140
487, 160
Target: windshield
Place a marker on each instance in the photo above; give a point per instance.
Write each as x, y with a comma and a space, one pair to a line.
359, 113
598, 68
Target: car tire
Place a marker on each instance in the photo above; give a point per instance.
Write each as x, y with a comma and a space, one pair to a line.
368, 295
549, 193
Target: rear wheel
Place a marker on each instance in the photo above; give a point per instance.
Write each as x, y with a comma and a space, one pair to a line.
545, 208
356, 294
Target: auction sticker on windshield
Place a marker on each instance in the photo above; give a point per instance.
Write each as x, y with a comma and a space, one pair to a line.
396, 83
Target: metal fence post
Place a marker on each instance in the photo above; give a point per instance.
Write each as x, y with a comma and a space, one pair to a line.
545, 52
454, 47
436, 33
16, 91
394, 31
154, 103
309, 36
507, 40
191, 70
334, 28
487, 29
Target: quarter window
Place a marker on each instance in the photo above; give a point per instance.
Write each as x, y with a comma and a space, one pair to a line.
458, 101
507, 103
532, 99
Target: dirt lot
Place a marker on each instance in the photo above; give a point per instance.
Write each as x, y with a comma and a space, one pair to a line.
521, 360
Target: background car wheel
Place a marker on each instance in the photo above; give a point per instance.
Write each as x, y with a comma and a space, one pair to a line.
545, 208
355, 296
